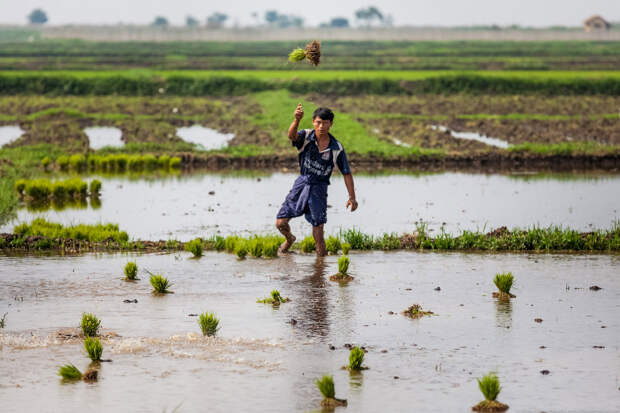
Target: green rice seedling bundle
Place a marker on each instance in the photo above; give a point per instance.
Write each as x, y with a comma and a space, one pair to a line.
3, 320
175, 162
172, 244
270, 248
160, 284
45, 163
241, 249
308, 244
70, 372
356, 358
38, 189
343, 264
135, 163
503, 282
131, 271
219, 243
346, 247
78, 162
63, 162
312, 52
490, 388
209, 324
95, 187
231, 242
328, 390
195, 247
90, 325
59, 191
93, 348
275, 298
150, 162
163, 162
332, 245
255, 247
415, 311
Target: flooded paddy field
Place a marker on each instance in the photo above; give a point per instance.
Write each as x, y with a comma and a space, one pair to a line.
188, 206
160, 361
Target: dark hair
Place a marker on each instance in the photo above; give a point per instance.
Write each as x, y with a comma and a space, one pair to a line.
324, 113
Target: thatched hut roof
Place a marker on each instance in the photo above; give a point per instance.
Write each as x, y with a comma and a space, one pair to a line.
596, 22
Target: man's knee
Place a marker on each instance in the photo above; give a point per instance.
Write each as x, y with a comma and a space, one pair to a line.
282, 223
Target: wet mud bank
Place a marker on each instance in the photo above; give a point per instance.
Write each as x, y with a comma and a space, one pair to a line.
487, 162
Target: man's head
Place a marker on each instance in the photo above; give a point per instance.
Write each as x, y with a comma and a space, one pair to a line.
322, 120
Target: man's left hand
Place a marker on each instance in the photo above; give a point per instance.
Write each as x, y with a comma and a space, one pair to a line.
352, 203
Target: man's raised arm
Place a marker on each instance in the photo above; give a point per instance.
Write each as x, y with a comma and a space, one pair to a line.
292, 130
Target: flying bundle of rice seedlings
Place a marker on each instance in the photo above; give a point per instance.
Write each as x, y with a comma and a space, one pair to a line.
275, 299
208, 323
70, 372
328, 390
312, 52
90, 325
415, 311
503, 282
490, 388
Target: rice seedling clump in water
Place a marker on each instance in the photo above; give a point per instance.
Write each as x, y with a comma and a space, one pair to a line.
328, 390
131, 271
343, 264
346, 247
208, 323
241, 249
93, 348
160, 284
503, 282
490, 388
195, 247
274, 299
415, 311
308, 245
70, 372
90, 325
356, 358
332, 245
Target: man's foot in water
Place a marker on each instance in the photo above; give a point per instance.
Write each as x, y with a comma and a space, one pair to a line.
286, 245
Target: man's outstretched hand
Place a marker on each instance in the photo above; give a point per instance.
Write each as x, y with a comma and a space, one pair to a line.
352, 203
299, 112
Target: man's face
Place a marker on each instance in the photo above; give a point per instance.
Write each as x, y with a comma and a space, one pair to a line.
321, 126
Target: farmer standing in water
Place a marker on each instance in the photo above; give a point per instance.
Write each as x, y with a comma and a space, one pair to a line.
319, 152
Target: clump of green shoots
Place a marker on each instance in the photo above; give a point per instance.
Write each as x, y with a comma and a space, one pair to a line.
490, 388
346, 247
270, 248
332, 245
241, 249
415, 311
356, 358
131, 271
70, 372
308, 244
3, 320
255, 246
95, 187
328, 390
195, 247
503, 282
90, 325
160, 284
208, 323
275, 299
93, 348
343, 264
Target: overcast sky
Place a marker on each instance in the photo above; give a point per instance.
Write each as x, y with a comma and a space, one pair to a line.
404, 12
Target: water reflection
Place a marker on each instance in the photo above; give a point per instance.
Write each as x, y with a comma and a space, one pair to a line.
62, 204
503, 313
312, 305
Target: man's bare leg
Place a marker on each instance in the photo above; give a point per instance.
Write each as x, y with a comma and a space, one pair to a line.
285, 229
319, 240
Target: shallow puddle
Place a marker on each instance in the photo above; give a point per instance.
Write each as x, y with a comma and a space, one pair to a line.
205, 138
474, 137
102, 136
9, 133
183, 208
424, 365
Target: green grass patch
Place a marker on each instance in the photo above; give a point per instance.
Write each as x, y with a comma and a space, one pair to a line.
565, 148
92, 233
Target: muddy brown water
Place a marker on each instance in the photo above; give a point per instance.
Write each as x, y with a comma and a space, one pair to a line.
182, 208
259, 361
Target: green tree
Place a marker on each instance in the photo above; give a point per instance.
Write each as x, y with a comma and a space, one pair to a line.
191, 21
216, 20
37, 16
369, 15
160, 21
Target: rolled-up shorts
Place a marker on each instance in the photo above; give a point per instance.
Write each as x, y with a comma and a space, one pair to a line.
308, 199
